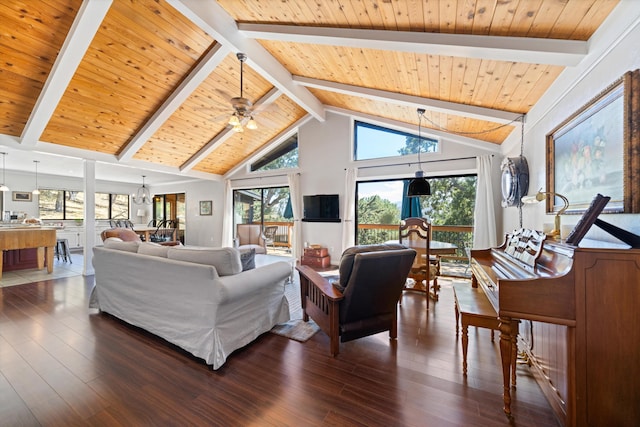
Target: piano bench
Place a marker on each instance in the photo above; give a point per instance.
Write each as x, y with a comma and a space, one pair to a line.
474, 309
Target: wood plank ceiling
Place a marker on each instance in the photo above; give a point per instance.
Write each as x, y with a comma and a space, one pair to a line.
153, 86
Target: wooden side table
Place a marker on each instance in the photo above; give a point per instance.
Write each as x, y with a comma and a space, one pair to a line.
474, 309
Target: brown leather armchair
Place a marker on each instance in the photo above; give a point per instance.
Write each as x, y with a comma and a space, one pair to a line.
364, 300
249, 236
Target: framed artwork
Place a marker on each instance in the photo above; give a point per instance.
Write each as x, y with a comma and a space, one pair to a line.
595, 151
206, 207
21, 196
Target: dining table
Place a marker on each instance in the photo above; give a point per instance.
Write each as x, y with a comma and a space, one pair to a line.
146, 231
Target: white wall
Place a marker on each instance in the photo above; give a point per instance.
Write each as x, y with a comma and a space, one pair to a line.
200, 230
613, 51
325, 152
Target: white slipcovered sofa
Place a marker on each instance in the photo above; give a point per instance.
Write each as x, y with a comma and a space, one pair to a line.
199, 299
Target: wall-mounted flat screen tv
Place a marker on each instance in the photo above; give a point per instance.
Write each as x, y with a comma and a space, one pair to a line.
321, 208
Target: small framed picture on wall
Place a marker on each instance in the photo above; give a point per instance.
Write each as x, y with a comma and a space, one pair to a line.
21, 196
206, 207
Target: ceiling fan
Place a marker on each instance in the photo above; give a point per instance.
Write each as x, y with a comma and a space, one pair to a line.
241, 106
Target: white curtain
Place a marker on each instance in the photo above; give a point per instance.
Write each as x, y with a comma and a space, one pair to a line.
228, 233
484, 218
296, 207
348, 207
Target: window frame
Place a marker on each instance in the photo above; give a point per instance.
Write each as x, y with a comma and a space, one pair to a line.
356, 124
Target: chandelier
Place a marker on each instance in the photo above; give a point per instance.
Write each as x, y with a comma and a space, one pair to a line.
142, 196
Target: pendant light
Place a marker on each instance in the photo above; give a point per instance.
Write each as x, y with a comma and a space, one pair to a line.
3, 187
419, 186
142, 196
36, 191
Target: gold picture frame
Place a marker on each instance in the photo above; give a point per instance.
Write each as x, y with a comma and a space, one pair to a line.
596, 151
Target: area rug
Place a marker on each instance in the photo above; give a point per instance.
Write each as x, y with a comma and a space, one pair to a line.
296, 329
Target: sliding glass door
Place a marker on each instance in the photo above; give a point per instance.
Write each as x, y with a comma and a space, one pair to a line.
269, 207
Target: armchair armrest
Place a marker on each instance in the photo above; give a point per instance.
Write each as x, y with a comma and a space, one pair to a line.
320, 301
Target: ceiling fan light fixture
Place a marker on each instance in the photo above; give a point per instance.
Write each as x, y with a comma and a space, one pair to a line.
251, 124
233, 120
238, 128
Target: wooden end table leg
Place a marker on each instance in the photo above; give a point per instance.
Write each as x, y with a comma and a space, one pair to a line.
465, 344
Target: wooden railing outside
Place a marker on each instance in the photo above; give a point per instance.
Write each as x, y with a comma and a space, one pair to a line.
283, 234
459, 235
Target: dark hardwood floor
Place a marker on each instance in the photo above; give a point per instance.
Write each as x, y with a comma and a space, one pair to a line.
63, 365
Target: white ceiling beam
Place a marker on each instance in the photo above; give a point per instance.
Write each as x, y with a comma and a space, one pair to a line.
204, 68
84, 28
213, 19
499, 48
227, 133
480, 113
426, 131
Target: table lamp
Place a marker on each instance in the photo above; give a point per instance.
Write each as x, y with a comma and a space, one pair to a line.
141, 214
542, 195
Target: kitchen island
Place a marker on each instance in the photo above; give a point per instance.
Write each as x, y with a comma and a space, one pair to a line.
20, 237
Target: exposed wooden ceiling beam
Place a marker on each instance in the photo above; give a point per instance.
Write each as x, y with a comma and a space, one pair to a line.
84, 27
473, 111
270, 97
205, 67
513, 49
212, 18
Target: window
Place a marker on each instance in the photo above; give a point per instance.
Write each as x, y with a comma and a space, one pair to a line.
285, 156
379, 208
374, 142
69, 204
112, 206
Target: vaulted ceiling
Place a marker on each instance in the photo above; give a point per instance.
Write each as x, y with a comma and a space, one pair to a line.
148, 83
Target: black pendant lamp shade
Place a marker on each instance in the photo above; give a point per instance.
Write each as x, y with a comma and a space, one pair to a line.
419, 186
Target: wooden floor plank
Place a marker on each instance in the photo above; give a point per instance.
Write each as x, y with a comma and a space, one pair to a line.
62, 364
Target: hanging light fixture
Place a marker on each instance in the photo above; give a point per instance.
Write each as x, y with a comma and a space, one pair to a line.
36, 191
241, 105
419, 186
142, 196
3, 187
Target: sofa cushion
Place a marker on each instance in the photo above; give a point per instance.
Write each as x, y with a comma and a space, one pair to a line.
225, 260
346, 261
248, 259
154, 249
117, 243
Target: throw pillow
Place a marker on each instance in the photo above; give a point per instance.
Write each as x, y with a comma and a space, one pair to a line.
153, 249
248, 259
118, 244
225, 260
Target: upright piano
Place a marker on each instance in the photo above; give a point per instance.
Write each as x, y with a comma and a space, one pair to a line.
593, 293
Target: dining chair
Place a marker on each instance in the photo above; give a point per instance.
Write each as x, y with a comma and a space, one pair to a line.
415, 233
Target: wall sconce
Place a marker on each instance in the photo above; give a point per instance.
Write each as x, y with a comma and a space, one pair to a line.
542, 195
141, 214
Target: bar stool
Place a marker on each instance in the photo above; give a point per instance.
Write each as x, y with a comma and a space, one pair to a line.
62, 248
